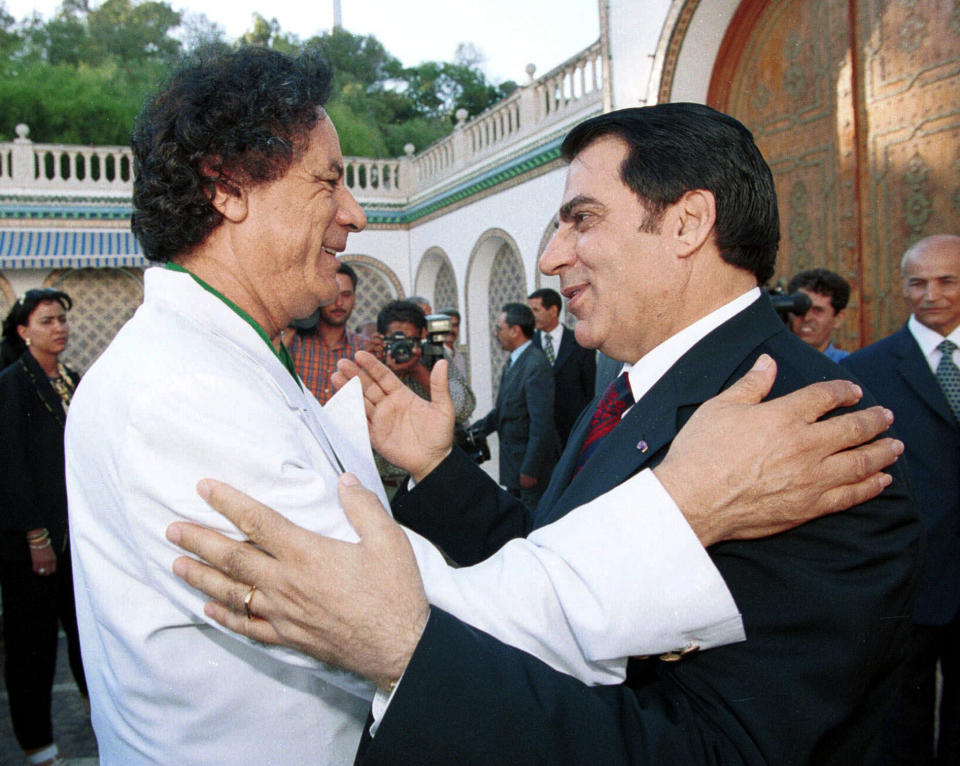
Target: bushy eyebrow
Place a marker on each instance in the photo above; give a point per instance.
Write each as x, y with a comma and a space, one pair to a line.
333, 167
567, 208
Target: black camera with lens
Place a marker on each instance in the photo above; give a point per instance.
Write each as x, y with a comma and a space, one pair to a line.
797, 304
400, 347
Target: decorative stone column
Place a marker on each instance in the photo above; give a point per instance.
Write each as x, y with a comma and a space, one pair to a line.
22, 164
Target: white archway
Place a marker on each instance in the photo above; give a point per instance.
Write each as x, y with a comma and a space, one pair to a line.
485, 359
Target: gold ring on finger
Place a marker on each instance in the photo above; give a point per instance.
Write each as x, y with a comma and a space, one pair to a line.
246, 602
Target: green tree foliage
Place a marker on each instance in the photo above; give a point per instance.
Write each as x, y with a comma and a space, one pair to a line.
81, 76
128, 32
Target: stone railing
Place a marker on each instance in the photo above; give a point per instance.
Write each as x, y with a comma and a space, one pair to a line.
380, 179
27, 167
564, 93
542, 105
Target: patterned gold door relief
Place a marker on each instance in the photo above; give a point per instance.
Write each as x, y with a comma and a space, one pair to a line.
856, 106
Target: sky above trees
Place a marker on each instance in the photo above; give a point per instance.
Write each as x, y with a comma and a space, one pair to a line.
509, 33
81, 75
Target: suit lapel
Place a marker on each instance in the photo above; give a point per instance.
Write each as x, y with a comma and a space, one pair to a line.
916, 373
649, 427
505, 375
511, 376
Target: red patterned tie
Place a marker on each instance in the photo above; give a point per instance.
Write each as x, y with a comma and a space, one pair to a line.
616, 400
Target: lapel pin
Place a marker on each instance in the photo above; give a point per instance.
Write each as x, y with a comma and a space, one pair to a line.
643, 446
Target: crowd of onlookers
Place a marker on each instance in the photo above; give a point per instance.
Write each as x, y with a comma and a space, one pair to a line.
547, 379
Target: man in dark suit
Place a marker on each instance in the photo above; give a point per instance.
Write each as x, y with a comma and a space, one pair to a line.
574, 367
913, 372
660, 262
523, 413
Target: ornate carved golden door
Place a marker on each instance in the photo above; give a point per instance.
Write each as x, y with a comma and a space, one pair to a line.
856, 106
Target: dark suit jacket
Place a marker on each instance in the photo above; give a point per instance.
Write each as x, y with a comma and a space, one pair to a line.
897, 374
33, 490
825, 608
523, 420
574, 371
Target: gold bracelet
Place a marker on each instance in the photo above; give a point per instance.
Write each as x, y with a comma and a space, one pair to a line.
41, 546
45, 535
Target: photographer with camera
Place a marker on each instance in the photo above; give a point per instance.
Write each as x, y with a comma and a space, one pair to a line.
410, 346
829, 294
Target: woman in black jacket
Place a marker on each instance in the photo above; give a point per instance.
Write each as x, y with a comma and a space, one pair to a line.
35, 575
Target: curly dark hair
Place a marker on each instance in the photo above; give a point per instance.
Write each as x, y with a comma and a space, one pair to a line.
823, 282
232, 119
401, 311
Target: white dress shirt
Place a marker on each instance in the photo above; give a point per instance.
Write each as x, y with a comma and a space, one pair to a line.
928, 340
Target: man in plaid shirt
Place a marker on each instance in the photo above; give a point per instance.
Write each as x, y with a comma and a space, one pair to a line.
315, 352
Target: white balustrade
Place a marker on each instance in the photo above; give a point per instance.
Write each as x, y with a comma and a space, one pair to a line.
565, 93
367, 178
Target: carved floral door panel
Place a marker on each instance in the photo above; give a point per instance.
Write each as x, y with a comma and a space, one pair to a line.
856, 106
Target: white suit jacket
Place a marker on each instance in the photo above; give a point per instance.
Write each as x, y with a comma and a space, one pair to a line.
188, 390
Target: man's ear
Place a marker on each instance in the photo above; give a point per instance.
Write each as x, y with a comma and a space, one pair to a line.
696, 215
838, 319
229, 197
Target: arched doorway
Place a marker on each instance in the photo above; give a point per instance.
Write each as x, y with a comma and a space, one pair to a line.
435, 279
377, 285
494, 276
855, 105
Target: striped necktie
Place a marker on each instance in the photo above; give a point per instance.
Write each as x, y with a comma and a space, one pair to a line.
548, 348
616, 400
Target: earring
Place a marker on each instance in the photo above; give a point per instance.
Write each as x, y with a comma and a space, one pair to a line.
27, 341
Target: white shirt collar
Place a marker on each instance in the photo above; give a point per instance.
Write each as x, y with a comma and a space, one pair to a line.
654, 364
928, 340
515, 354
556, 335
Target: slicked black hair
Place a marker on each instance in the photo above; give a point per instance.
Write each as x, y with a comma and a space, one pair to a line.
519, 315
677, 148
548, 297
